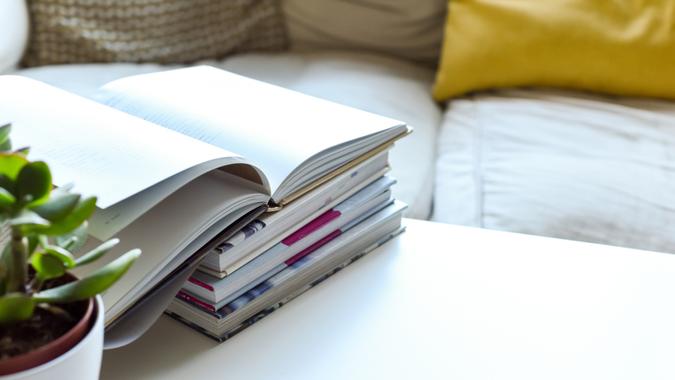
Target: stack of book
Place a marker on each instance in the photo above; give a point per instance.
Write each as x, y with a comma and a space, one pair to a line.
271, 260
305, 194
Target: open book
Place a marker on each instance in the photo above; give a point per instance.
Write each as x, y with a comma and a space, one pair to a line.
177, 157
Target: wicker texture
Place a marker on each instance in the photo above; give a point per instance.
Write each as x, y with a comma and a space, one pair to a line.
162, 31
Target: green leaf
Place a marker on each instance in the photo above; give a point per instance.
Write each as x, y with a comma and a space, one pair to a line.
73, 240
47, 266
74, 219
28, 217
4, 132
23, 151
11, 164
6, 198
5, 143
92, 285
57, 206
32, 243
15, 307
61, 254
7, 183
96, 253
68, 243
34, 182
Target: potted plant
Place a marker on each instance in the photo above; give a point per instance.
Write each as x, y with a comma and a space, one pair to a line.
49, 320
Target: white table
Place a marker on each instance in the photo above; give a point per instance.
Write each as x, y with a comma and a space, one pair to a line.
446, 302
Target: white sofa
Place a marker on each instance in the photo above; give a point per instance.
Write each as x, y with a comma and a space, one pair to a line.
544, 162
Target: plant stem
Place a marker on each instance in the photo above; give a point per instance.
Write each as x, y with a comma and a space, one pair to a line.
19, 272
35, 285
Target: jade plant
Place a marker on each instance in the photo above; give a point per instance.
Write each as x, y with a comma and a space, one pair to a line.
41, 227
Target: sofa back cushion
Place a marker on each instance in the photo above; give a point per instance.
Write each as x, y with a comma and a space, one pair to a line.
622, 47
409, 29
163, 31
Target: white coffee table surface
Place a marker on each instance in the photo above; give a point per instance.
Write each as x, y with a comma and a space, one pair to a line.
446, 302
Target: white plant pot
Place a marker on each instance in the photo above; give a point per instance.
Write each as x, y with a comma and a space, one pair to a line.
82, 362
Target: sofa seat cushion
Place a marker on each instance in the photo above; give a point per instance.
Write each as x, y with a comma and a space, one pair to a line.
560, 164
381, 85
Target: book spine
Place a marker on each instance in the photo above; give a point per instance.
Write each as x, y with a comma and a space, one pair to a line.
311, 227
185, 296
201, 284
312, 247
275, 306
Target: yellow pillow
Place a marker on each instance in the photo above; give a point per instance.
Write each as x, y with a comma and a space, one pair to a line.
622, 47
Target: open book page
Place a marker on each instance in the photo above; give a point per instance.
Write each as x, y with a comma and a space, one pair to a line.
277, 129
105, 223
103, 151
167, 240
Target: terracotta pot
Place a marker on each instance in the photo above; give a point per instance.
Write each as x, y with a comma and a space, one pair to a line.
80, 362
54, 348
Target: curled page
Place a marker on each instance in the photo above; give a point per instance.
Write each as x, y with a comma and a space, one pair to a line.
103, 151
